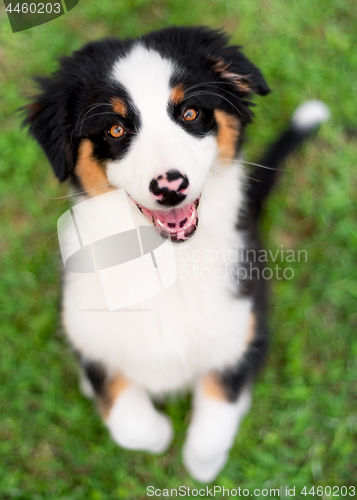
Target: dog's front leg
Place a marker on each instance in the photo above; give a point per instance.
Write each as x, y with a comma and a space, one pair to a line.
134, 422
214, 424
129, 413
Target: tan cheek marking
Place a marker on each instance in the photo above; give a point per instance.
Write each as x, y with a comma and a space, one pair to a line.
228, 133
119, 107
212, 388
112, 391
177, 95
89, 172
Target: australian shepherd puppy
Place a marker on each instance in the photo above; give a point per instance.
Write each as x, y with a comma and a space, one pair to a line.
160, 120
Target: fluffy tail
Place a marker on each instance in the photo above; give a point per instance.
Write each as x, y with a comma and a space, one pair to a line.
304, 122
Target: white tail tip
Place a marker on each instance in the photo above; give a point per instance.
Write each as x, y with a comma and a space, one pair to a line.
310, 114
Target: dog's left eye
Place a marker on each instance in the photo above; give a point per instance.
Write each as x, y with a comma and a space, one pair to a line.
116, 131
190, 115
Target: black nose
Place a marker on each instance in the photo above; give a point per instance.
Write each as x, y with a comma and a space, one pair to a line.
169, 189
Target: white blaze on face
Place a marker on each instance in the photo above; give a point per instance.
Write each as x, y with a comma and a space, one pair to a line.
161, 144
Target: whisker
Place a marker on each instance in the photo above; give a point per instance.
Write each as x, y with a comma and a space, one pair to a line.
226, 91
96, 114
240, 173
92, 106
217, 95
223, 83
262, 166
251, 178
250, 163
73, 194
258, 96
210, 83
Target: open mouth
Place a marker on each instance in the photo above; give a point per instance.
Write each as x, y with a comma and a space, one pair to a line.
178, 224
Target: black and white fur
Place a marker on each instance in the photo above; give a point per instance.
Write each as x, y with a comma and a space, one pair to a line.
206, 334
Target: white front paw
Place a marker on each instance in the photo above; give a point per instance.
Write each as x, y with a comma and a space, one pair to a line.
135, 424
211, 434
160, 435
154, 437
203, 469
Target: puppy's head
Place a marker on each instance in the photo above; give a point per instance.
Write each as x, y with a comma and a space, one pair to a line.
150, 115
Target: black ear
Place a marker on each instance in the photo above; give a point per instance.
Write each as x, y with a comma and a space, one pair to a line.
230, 64
48, 117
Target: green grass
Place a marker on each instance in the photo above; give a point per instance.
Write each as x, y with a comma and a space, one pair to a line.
302, 427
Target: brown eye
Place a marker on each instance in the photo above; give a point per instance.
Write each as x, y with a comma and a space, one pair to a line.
190, 115
116, 131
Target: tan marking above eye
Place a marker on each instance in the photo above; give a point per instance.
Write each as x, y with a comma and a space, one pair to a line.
116, 131
119, 106
177, 94
190, 115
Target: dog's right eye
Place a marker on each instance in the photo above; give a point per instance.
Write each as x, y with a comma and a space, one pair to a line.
116, 131
190, 115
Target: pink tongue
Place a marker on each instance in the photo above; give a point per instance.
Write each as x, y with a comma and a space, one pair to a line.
176, 221
174, 216
179, 223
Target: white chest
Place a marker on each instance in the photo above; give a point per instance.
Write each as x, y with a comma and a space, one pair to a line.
195, 325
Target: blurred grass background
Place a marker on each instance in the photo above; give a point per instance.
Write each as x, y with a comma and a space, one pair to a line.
302, 427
